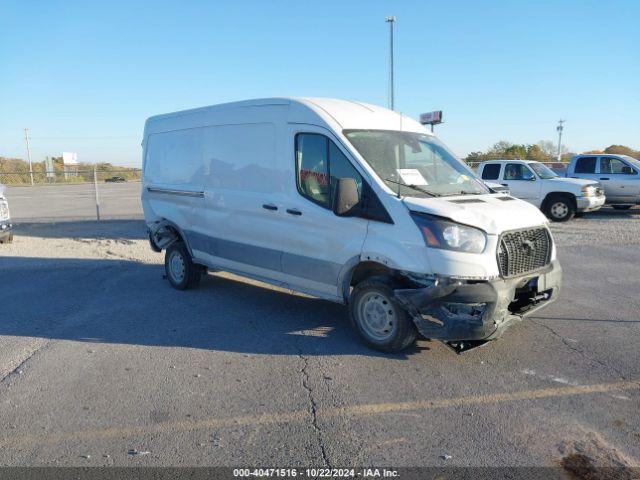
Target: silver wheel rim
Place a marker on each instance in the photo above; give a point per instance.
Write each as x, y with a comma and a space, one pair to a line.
559, 210
177, 267
377, 316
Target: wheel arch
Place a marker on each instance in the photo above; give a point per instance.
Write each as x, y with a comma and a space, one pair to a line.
569, 195
359, 270
174, 230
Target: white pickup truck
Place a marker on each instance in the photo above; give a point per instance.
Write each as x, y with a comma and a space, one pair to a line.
558, 197
619, 175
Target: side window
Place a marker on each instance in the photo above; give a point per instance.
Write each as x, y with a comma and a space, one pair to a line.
517, 171
312, 167
614, 165
319, 165
491, 171
585, 165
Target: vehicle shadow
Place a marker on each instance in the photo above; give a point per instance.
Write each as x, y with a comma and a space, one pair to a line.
127, 302
122, 229
611, 213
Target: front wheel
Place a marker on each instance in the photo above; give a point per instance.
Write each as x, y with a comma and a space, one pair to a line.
378, 318
560, 208
181, 272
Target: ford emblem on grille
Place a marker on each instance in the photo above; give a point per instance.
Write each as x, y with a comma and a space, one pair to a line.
528, 246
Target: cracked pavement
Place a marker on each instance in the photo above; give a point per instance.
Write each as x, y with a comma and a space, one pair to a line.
100, 357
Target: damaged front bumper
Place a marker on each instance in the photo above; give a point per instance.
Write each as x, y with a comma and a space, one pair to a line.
453, 310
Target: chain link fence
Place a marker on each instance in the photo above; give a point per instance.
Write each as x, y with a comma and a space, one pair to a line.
68, 176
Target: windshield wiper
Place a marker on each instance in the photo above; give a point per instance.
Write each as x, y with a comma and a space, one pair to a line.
412, 186
461, 192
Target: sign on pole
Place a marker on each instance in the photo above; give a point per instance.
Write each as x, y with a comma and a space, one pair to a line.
69, 158
431, 118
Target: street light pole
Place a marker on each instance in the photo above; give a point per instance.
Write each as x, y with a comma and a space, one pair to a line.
391, 21
26, 139
559, 128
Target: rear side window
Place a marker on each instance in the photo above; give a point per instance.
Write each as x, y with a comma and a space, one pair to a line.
585, 165
319, 165
491, 171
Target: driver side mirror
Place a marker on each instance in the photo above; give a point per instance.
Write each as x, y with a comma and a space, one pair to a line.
346, 197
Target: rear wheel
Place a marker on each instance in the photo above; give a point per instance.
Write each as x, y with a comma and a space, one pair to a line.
180, 270
560, 208
378, 318
621, 207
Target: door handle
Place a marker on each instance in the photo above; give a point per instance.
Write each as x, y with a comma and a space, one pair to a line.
269, 206
293, 211
605, 178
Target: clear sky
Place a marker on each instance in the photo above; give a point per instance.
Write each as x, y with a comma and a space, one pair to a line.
84, 75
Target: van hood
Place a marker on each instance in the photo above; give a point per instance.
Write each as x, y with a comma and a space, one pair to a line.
488, 212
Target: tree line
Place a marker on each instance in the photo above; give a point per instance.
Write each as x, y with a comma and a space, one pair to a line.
543, 151
15, 171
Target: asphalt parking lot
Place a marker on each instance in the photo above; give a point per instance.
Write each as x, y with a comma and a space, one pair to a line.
74, 202
102, 363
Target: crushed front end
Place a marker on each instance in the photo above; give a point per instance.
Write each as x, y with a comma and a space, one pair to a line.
453, 309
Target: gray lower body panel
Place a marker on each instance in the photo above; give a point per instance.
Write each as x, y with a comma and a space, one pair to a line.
302, 266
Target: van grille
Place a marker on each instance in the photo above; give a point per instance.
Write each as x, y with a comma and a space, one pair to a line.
524, 251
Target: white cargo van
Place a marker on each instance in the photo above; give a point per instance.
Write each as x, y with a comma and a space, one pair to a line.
349, 202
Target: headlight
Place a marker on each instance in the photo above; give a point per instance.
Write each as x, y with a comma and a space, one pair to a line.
588, 191
441, 233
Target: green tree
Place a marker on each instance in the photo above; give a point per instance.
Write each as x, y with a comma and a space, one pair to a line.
621, 150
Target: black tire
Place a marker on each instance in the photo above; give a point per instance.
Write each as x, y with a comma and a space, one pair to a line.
622, 207
560, 208
401, 329
179, 268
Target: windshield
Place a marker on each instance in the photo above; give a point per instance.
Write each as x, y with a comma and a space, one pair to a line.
633, 161
542, 170
406, 158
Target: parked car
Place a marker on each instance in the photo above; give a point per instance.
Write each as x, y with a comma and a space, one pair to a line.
6, 233
558, 197
619, 175
348, 202
115, 180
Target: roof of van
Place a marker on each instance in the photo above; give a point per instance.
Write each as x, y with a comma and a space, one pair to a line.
337, 113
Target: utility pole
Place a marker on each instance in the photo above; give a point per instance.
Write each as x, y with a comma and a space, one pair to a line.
391, 21
95, 191
559, 128
26, 139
